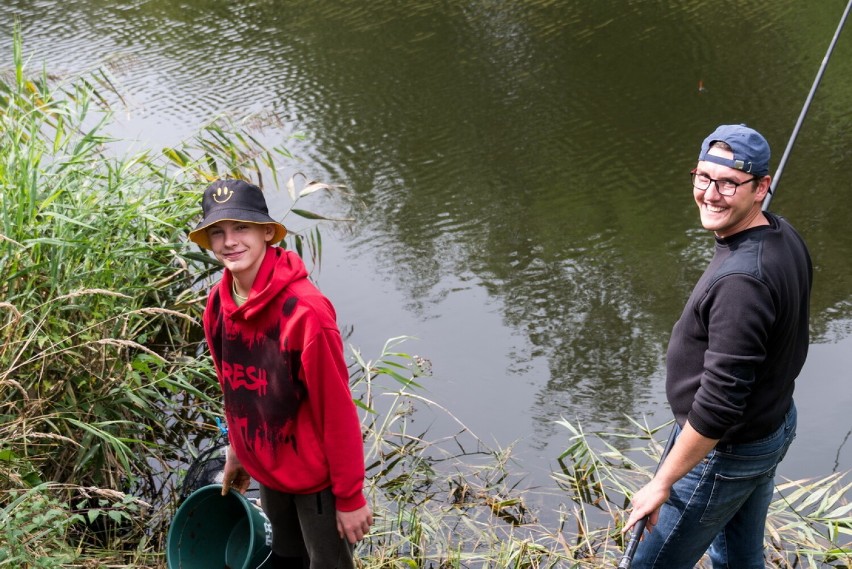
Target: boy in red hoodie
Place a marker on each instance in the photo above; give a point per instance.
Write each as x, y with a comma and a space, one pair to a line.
279, 358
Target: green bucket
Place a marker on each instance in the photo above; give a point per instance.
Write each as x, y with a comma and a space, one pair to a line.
211, 531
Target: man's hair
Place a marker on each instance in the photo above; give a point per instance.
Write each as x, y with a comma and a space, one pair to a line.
725, 146
722, 144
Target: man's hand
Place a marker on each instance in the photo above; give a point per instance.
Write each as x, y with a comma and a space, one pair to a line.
353, 526
689, 449
234, 476
647, 502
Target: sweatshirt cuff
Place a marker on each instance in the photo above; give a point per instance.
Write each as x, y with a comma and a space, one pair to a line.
351, 503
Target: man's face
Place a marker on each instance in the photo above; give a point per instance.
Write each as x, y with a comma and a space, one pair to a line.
728, 215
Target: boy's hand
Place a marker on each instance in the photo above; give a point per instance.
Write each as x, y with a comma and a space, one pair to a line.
234, 476
353, 526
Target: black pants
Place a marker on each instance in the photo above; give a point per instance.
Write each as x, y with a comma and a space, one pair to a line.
304, 529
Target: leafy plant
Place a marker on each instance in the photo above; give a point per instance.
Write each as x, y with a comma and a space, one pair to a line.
35, 527
101, 377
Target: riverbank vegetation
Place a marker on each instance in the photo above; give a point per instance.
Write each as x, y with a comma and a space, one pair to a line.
106, 396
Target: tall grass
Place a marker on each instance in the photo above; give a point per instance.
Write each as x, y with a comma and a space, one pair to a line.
455, 502
103, 386
100, 376
98, 298
808, 525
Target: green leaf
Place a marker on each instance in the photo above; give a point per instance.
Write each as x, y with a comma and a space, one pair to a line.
93, 514
364, 406
311, 215
177, 156
307, 214
32, 479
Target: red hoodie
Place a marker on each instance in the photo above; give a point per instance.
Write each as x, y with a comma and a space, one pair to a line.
279, 359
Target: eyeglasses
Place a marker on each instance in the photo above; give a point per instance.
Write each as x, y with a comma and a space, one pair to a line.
702, 182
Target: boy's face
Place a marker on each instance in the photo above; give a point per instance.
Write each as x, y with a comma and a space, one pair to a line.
240, 245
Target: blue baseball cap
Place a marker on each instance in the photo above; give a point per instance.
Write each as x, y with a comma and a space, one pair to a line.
751, 151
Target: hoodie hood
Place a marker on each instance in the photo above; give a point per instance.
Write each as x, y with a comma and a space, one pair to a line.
280, 268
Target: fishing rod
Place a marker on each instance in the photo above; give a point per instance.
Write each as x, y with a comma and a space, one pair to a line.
805, 108
639, 527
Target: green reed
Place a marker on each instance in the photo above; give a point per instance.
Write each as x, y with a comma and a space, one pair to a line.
100, 378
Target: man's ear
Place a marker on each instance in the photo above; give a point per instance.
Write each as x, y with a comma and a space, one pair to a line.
762, 189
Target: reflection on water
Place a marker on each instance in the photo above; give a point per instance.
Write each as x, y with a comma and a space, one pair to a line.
519, 170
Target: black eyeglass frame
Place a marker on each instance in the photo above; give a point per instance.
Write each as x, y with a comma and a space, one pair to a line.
719, 183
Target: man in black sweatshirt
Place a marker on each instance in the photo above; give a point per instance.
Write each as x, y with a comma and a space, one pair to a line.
732, 360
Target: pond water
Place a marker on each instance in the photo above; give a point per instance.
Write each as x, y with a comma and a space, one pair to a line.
518, 172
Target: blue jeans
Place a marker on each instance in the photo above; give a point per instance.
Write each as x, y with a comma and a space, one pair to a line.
721, 504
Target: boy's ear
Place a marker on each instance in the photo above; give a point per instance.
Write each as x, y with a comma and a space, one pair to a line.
270, 232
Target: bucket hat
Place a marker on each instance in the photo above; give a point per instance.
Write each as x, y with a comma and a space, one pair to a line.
233, 200
751, 151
